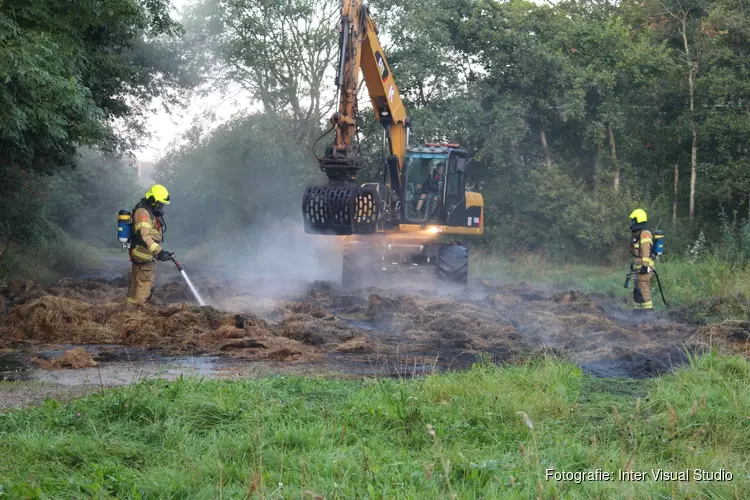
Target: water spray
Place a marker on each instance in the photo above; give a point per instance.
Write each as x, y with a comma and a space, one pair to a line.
187, 280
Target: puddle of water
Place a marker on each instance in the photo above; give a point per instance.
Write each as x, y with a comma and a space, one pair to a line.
13, 367
124, 373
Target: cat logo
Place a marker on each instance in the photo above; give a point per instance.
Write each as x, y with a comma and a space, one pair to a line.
381, 66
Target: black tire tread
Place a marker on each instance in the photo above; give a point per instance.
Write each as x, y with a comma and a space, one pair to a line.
453, 264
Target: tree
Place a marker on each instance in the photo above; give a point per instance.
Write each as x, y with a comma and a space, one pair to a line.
279, 52
680, 22
76, 74
228, 179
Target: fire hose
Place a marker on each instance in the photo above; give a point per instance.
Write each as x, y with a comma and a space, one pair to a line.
632, 273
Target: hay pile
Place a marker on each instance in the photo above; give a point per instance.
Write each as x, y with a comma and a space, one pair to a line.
442, 324
94, 312
74, 358
93, 290
176, 329
250, 321
732, 336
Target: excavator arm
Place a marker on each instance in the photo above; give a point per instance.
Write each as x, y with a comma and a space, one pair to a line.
342, 207
408, 218
360, 50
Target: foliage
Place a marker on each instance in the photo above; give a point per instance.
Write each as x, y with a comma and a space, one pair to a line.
45, 110
279, 52
70, 69
85, 202
574, 113
58, 220
45, 262
77, 75
488, 432
732, 243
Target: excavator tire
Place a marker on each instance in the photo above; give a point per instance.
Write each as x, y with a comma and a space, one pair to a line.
453, 264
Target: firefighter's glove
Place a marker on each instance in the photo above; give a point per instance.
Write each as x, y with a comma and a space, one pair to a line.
164, 256
644, 270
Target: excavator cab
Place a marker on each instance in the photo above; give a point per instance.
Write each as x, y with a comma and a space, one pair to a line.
435, 185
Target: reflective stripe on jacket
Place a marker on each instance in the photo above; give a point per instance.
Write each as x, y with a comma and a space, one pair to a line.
641, 249
149, 229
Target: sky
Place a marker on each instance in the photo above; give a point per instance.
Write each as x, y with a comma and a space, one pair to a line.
168, 127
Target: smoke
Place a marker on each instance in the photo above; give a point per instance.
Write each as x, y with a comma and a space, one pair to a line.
282, 250
273, 258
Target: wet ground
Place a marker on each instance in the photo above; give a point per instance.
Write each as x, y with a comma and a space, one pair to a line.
80, 333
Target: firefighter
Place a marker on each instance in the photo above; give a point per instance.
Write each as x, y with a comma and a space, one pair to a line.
145, 247
643, 264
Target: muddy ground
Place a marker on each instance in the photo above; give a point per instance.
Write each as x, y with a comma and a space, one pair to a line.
81, 333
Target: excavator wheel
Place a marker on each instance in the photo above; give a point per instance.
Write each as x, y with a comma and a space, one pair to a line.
453, 264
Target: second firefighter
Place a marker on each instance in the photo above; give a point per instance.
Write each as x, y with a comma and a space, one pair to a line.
641, 244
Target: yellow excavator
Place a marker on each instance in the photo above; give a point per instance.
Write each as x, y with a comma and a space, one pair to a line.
394, 225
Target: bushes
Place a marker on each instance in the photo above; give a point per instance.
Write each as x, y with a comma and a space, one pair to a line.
49, 224
47, 261
555, 214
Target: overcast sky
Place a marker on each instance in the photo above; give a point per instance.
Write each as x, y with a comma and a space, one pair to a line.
167, 127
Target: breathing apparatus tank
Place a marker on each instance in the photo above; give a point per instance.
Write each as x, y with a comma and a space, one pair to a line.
124, 220
658, 248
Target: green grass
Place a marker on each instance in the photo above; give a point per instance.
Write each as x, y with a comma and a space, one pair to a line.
706, 289
490, 432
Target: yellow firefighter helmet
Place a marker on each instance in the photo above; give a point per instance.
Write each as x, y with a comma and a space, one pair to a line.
157, 194
638, 216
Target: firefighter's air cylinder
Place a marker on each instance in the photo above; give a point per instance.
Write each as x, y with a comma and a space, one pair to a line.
658, 243
124, 218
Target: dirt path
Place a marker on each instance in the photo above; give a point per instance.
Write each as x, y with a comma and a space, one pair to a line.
256, 326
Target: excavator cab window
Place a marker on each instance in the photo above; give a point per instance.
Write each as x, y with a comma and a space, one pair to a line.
424, 186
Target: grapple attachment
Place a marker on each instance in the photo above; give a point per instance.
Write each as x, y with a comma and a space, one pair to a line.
340, 209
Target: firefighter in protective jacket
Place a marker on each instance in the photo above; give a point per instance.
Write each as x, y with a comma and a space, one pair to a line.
145, 247
643, 264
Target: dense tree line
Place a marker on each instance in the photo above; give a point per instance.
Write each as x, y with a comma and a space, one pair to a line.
77, 80
574, 113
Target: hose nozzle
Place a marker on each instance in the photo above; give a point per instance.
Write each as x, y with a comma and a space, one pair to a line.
177, 263
628, 277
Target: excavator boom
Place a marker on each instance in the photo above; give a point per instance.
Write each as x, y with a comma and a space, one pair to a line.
342, 207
